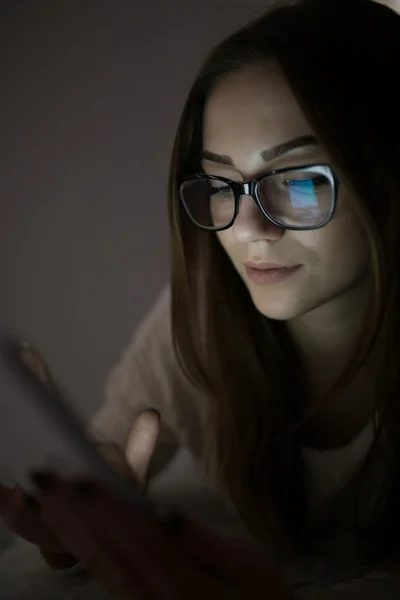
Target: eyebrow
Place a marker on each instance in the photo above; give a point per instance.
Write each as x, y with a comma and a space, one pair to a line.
270, 153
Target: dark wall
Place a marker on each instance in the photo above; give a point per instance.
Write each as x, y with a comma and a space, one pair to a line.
91, 93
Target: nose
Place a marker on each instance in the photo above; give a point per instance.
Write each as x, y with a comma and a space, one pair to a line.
251, 225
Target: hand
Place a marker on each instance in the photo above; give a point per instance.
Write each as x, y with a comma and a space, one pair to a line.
22, 514
138, 557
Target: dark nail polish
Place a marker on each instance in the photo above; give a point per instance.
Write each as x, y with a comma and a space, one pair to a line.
43, 480
175, 524
31, 502
85, 489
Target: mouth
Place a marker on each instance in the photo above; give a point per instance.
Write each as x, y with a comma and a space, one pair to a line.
264, 273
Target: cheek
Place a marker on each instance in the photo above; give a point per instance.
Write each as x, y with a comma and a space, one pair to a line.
340, 247
341, 244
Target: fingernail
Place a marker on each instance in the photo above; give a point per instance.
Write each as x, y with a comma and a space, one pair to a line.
85, 489
31, 502
43, 480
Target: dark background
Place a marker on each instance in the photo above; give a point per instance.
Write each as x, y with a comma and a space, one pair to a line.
91, 93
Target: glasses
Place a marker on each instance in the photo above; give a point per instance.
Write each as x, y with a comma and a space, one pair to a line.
301, 198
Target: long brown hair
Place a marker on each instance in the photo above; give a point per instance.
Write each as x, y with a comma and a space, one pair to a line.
340, 59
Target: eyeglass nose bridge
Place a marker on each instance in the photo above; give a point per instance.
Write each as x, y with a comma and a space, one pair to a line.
250, 188
247, 188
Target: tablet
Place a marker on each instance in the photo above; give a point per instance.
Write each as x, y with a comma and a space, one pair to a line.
39, 429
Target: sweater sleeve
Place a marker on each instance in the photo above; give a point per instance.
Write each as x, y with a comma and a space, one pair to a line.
148, 376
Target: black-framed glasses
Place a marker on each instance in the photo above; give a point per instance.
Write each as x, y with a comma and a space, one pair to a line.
301, 198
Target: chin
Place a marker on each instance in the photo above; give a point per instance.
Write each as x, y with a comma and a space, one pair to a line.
279, 308
277, 313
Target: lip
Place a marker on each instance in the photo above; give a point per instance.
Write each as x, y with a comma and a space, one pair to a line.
264, 273
265, 266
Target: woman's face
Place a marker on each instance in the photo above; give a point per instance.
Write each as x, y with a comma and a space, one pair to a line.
247, 113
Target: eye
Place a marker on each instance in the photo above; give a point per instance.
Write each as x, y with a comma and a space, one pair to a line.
220, 188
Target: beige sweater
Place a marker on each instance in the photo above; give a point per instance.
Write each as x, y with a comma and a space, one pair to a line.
148, 376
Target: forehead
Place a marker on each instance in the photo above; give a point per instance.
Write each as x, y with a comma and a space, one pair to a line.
250, 110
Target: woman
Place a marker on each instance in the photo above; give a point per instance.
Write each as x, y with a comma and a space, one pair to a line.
279, 371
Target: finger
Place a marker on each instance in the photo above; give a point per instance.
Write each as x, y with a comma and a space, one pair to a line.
99, 529
13, 503
142, 440
84, 542
141, 443
80, 525
115, 455
21, 514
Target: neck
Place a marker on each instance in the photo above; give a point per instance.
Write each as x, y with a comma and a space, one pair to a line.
326, 338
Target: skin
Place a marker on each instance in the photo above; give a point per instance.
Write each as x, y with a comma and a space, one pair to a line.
251, 111
248, 112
